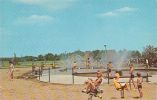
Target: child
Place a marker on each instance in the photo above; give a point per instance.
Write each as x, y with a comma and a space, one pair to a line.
74, 66
119, 85
11, 70
139, 84
93, 85
109, 66
88, 64
131, 70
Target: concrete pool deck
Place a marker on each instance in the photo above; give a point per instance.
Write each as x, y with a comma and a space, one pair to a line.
65, 77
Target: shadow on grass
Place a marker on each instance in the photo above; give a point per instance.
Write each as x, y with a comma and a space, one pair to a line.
113, 98
136, 97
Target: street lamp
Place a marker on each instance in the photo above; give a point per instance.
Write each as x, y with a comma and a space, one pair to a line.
105, 51
106, 60
105, 48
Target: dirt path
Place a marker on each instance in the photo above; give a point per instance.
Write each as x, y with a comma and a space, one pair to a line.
22, 89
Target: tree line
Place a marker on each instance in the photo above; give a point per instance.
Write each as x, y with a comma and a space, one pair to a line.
149, 52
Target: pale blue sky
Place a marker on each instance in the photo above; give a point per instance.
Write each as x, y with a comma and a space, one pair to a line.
32, 27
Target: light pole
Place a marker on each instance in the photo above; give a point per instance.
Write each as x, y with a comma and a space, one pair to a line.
105, 52
65, 60
105, 49
106, 60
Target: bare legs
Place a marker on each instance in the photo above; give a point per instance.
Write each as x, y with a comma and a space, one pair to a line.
11, 75
140, 92
131, 79
90, 86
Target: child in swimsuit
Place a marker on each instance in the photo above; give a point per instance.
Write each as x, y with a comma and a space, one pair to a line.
88, 63
11, 70
119, 85
109, 66
93, 85
139, 84
131, 70
74, 66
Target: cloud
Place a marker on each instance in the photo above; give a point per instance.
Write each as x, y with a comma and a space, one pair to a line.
50, 4
125, 9
117, 11
108, 14
34, 19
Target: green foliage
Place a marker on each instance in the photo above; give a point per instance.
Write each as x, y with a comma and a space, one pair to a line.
150, 53
49, 56
40, 58
96, 54
135, 54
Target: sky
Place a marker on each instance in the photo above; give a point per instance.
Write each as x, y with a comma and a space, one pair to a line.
33, 27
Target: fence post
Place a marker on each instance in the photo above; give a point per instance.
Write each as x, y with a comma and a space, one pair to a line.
73, 75
49, 75
147, 78
39, 73
32, 68
108, 77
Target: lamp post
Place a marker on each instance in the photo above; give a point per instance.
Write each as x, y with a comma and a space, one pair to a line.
105, 49
65, 60
105, 52
106, 60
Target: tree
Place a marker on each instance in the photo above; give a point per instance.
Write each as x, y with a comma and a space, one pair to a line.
96, 55
150, 53
56, 57
49, 56
78, 52
28, 58
40, 58
135, 54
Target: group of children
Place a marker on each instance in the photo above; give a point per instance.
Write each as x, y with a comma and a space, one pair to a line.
123, 86
93, 85
139, 80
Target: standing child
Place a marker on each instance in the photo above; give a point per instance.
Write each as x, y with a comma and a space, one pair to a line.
139, 84
74, 66
11, 70
109, 66
131, 71
88, 63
